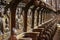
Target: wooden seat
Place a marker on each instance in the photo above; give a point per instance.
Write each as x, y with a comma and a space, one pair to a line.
33, 35
25, 39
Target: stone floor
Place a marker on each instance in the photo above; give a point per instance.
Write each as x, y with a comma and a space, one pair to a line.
57, 35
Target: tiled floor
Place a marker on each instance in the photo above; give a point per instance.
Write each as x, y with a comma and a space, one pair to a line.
57, 35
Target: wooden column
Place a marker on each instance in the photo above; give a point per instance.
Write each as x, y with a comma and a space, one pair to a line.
33, 17
13, 10
41, 17
25, 14
37, 17
44, 15
39, 14
25, 20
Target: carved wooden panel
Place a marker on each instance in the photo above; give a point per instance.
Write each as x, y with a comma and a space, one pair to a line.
29, 19
19, 21
6, 24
